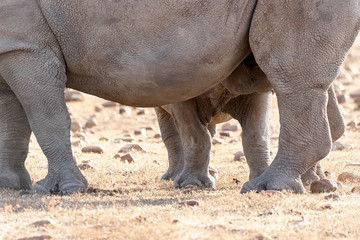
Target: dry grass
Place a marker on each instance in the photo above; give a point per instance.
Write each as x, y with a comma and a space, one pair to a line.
133, 203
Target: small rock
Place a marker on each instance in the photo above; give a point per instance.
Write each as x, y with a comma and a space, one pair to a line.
341, 98
213, 172
75, 126
41, 237
118, 140
91, 123
190, 203
128, 137
140, 131
226, 134
332, 196
125, 110
143, 112
41, 223
323, 185
239, 156
109, 104
175, 221
84, 165
105, 139
80, 135
98, 108
262, 236
356, 189
339, 146
78, 143
348, 177
92, 149
72, 95
229, 127
117, 156
127, 158
327, 206
353, 124
217, 141
158, 135
355, 94
149, 128
130, 147
234, 140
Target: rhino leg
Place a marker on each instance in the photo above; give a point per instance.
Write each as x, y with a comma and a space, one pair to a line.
196, 142
14, 141
172, 141
38, 80
253, 113
301, 62
337, 129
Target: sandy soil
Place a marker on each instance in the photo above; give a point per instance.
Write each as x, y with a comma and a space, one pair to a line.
131, 202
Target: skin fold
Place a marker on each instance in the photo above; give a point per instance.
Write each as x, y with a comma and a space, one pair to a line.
153, 53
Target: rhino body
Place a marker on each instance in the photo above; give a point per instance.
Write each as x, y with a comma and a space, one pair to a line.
152, 53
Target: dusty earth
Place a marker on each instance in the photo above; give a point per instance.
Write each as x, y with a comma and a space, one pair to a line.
127, 200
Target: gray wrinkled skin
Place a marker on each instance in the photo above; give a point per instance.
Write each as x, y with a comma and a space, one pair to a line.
153, 53
187, 128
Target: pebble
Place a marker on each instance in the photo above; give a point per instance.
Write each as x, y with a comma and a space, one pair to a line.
41, 223
75, 126
41, 237
109, 104
355, 189
262, 236
143, 112
332, 196
323, 185
213, 172
99, 108
91, 123
73, 95
78, 143
127, 158
92, 149
339, 146
105, 139
140, 131
130, 147
128, 137
191, 203
157, 162
239, 156
348, 177
158, 135
328, 206
217, 141
80, 135
149, 128
341, 98
85, 165
226, 134
229, 127
175, 221
353, 124
125, 110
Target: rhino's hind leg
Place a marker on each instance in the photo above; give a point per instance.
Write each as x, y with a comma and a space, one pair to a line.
38, 80
196, 141
14, 141
172, 141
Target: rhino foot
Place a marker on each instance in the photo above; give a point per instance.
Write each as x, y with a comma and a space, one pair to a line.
273, 181
170, 174
313, 174
70, 181
194, 179
15, 179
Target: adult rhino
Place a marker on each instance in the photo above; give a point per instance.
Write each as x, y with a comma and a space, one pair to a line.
152, 53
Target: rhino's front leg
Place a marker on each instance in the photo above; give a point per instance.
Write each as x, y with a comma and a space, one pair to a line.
172, 141
38, 80
196, 141
253, 113
14, 141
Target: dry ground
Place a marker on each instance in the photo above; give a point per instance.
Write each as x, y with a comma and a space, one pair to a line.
138, 205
